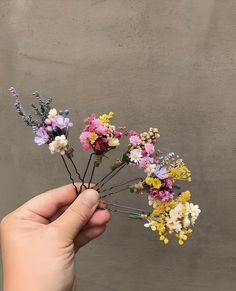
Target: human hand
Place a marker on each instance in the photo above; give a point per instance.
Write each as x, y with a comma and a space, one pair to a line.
39, 239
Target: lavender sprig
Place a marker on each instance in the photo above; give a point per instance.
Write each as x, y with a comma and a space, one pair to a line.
45, 106
27, 118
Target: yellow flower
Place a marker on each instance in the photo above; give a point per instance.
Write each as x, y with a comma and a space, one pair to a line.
189, 231
92, 137
156, 183
184, 197
180, 172
162, 237
149, 181
166, 241
105, 118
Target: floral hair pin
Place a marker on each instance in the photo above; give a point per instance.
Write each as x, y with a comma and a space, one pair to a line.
171, 212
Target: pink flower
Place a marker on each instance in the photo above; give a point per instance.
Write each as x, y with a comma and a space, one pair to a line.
100, 130
135, 140
91, 128
86, 146
97, 146
130, 132
149, 148
117, 134
90, 118
143, 163
84, 136
96, 122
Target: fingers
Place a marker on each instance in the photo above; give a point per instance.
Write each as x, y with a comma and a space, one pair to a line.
94, 228
77, 214
47, 204
87, 235
100, 217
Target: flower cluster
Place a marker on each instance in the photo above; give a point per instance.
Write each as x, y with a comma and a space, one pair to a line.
161, 176
174, 217
99, 135
172, 213
54, 131
50, 127
141, 147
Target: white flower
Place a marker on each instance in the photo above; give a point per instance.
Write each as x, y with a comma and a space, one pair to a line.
150, 169
194, 211
151, 225
148, 224
178, 207
113, 142
135, 156
186, 222
52, 113
59, 145
175, 213
173, 224
152, 201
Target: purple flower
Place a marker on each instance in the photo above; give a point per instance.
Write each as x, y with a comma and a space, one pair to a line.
168, 183
161, 172
41, 136
61, 122
162, 195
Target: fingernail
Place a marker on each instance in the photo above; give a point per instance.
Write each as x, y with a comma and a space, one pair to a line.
89, 197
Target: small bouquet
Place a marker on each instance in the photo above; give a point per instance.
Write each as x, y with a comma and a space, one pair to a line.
171, 212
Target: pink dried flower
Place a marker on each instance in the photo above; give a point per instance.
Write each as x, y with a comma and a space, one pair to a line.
100, 130
86, 146
149, 148
135, 140
84, 136
90, 118
162, 195
130, 132
117, 134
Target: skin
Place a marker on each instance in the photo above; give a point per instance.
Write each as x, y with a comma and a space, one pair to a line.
39, 240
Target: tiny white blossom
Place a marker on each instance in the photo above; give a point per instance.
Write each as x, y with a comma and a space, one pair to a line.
52, 113
59, 145
147, 224
150, 169
152, 201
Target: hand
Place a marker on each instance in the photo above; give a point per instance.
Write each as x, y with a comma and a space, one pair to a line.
39, 239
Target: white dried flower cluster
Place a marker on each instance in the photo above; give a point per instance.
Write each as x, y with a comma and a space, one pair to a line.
182, 216
113, 142
59, 145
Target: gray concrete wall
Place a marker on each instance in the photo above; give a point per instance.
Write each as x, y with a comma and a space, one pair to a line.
165, 63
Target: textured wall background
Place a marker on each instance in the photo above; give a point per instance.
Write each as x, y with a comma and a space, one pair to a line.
170, 64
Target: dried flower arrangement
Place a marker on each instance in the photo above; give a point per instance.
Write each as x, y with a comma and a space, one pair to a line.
171, 213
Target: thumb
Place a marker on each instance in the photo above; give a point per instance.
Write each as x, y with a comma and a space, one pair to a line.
78, 213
